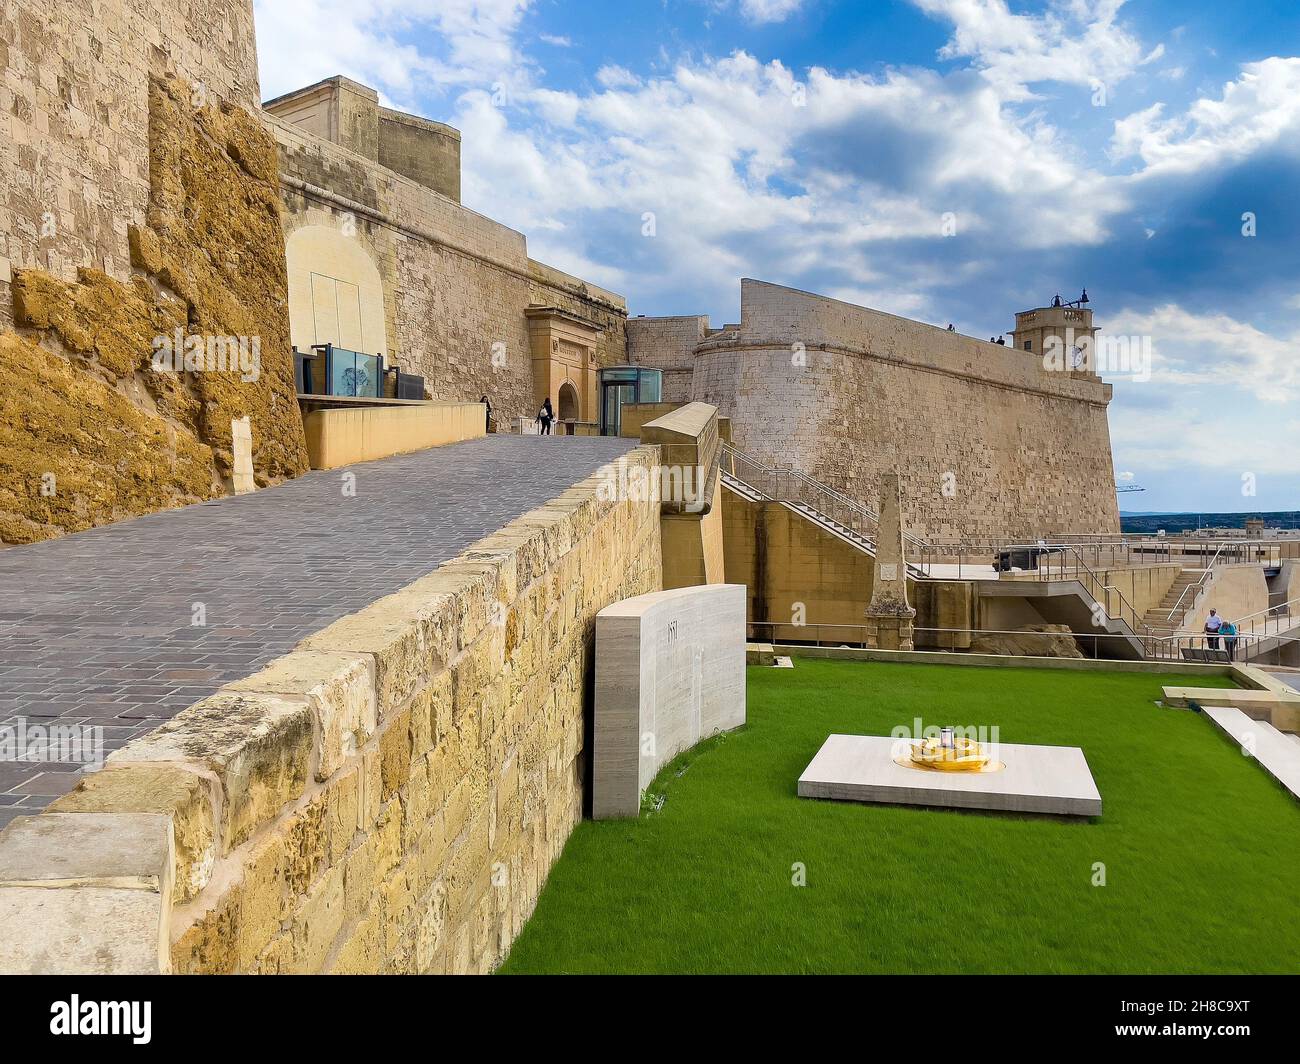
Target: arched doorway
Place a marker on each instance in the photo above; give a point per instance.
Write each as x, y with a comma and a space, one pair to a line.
568, 402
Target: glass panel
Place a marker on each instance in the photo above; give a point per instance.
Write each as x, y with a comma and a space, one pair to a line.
609, 419
652, 386
353, 374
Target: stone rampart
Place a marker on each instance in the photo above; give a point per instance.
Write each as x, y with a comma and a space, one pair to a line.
387, 798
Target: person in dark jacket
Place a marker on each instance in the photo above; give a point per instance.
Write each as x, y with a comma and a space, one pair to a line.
546, 416
488, 404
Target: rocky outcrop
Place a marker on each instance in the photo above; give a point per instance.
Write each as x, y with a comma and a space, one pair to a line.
95, 427
1031, 641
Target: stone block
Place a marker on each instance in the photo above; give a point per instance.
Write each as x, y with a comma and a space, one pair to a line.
395, 754
131, 851
410, 636
87, 931
670, 671
1053, 780
86, 894
341, 690
258, 746
185, 796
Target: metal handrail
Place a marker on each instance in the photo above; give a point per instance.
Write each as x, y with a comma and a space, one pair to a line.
797, 487
1158, 648
1198, 587
792, 485
1272, 613
1136, 623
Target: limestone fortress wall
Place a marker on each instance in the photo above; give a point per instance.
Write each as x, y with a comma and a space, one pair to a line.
455, 284
990, 444
146, 191
74, 163
141, 200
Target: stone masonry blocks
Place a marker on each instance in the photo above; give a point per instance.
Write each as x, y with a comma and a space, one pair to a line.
387, 798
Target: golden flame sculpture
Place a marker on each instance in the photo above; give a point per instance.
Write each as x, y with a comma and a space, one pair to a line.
949, 753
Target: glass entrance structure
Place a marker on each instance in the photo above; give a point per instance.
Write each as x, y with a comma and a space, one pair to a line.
620, 385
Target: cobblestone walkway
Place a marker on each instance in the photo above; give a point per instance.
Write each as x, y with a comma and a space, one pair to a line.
124, 626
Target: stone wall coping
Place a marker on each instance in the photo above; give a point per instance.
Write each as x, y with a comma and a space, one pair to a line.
125, 851
222, 772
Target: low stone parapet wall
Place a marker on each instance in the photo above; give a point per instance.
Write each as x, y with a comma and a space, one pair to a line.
338, 438
387, 798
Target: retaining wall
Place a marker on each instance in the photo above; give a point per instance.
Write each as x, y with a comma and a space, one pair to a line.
387, 798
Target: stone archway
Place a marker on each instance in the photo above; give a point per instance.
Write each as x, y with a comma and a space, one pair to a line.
569, 409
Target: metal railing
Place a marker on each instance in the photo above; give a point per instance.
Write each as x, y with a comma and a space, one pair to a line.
1264, 624
1246, 648
1196, 590
942, 640
1071, 557
799, 489
1231, 553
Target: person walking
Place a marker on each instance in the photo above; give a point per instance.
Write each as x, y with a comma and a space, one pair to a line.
1229, 633
545, 416
1213, 624
488, 405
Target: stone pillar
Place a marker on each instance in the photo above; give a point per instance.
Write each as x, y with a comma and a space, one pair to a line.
889, 617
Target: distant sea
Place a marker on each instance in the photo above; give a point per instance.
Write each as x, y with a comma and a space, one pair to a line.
1153, 522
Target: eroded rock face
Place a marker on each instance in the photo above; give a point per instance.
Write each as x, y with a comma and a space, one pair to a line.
1031, 641
91, 431
75, 452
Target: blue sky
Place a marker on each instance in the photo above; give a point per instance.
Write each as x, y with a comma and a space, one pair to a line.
1128, 147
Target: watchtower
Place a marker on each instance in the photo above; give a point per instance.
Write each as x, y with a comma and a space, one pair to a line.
1062, 335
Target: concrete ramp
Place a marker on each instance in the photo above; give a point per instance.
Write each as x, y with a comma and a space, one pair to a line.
1273, 749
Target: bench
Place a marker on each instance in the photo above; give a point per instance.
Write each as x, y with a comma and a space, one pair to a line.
1212, 657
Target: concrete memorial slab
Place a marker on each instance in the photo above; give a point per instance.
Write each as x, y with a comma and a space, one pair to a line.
1034, 779
670, 671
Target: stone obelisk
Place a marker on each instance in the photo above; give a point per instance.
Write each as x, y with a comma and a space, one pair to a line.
889, 617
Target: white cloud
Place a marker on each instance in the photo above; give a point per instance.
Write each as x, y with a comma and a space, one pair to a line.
1213, 350
764, 11
612, 76
1261, 108
748, 169
1076, 42
303, 41
1212, 449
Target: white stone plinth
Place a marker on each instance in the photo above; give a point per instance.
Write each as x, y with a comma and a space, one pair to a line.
670, 671
1036, 779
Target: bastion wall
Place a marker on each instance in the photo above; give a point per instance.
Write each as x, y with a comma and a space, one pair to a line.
990, 445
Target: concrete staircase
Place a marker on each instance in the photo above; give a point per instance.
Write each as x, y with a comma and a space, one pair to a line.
830, 510
1278, 753
1157, 619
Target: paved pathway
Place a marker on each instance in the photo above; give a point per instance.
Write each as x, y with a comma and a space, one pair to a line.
97, 629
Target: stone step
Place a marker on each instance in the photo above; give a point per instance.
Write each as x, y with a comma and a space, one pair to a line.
1276, 755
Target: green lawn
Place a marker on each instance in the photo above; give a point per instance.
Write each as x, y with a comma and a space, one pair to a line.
1201, 849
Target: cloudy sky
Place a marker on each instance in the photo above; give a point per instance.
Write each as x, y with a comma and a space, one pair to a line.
1147, 150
